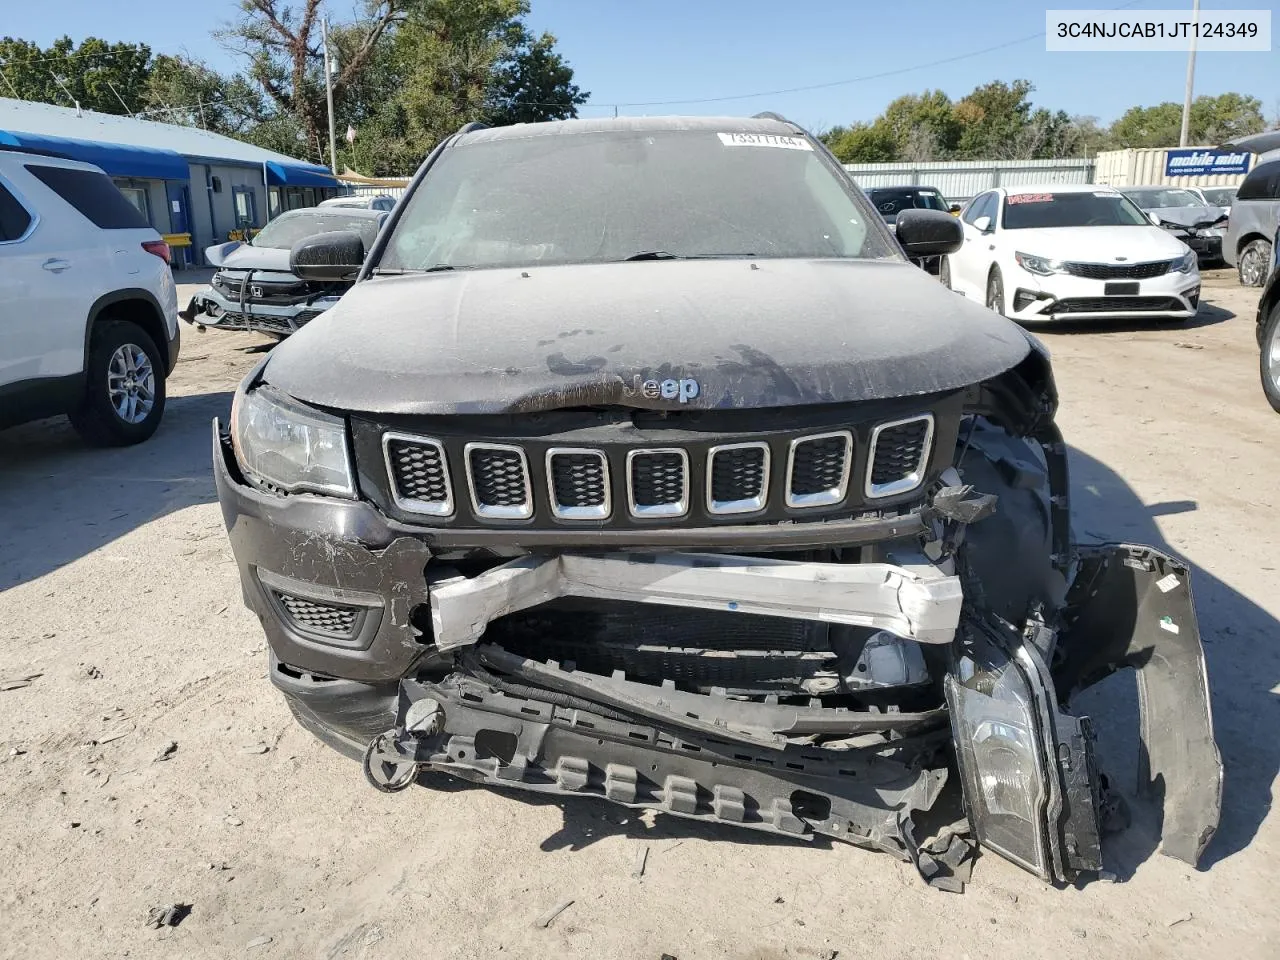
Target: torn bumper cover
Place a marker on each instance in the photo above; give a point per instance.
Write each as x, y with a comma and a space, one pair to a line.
410, 680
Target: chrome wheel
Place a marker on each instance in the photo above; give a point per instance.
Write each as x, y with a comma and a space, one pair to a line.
131, 383
1254, 262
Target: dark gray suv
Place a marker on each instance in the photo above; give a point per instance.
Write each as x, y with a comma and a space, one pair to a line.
640, 463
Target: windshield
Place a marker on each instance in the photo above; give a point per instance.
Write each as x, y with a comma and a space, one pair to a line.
288, 228
1162, 199
1025, 211
891, 201
1219, 196
610, 196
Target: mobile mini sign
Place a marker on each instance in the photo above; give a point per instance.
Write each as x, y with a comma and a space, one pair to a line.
1195, 163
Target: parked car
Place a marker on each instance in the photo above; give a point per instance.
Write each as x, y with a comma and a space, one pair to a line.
1268, 321
380, 202
890, 201
1184, 214
1071, 252
1255, 215
88, 307
721, 509
1216, 196
254, 288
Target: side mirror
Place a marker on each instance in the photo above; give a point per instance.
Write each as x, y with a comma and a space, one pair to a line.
1154, 218
982, 224
328, 257
929, 233
954, 208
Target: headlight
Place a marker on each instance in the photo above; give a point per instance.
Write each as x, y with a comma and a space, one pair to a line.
284, 445
1041, 266
1187, 264
1001, 756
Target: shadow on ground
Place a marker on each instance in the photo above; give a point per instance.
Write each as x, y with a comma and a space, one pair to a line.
61, 499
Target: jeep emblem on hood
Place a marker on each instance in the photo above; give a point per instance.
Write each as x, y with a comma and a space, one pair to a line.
684, 389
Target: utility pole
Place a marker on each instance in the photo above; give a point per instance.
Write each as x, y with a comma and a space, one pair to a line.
1191, 78
328, 92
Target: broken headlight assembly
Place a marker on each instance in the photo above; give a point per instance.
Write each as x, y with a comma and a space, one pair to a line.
1027, 770
285, 446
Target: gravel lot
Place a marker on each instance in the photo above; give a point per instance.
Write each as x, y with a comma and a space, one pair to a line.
119, 600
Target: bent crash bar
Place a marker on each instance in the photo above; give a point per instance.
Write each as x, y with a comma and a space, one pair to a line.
914, 598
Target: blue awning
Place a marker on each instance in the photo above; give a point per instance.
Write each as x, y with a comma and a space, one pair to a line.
299, 175
116, 159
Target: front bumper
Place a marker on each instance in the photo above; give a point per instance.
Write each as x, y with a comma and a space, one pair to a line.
413, 684
209, 308
1032, 298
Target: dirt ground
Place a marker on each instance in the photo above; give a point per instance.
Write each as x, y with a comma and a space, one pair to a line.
149, 762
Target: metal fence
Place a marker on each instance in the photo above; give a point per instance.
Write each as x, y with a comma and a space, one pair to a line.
396, 192
962, 179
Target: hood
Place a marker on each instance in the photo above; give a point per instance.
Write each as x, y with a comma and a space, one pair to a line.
244, 256
1135, 244
1189, 216
769, 333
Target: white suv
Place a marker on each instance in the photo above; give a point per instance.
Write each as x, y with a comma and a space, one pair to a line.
88, 307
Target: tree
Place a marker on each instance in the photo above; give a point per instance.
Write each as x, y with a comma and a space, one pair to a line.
185, 91
101, 76
282, 45
862, 143
1213, 120
993, 118
923, 126
409, 72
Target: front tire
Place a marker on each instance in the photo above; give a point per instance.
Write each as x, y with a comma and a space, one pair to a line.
995, 291
1254, 263
1269, 358
124, 386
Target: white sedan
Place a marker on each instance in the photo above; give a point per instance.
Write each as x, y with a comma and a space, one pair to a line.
1070, 253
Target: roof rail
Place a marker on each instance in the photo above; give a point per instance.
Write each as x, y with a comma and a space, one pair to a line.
770, 115
471, 127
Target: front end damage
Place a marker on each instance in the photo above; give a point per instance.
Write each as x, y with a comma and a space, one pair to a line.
900, 679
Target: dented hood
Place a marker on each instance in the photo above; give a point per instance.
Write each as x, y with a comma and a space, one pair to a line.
768, 333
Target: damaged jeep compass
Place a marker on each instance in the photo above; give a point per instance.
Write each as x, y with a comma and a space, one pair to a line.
641, 463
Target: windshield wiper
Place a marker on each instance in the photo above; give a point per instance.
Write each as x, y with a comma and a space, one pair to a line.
664, 255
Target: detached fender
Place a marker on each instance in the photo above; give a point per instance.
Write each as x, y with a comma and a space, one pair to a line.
1130, 606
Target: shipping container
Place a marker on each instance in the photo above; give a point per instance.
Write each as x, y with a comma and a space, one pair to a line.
1149, 166
959, 180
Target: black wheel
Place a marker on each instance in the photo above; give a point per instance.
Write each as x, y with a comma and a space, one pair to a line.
124, 386
1269, 358
944, 272
387, 777
995, 291
1254, 263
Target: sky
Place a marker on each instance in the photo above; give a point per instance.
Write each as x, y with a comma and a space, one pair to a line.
632, 54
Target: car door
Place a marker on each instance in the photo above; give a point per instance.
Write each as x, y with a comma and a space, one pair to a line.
32, 289
969, 264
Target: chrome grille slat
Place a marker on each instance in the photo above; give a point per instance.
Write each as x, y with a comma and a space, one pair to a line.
818, 469
578, 481
737, 477
899, 454
658, 482
498, 479
418, 470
